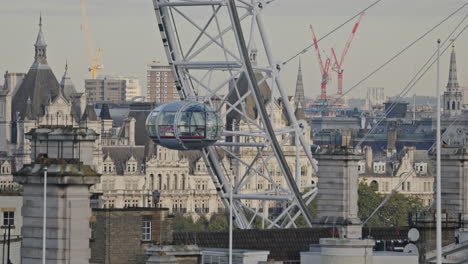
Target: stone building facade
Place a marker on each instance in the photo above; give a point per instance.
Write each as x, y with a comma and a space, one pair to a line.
132, 167
412, 168
10, 213
129, 180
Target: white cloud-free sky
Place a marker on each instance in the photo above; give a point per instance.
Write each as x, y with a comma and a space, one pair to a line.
126, 30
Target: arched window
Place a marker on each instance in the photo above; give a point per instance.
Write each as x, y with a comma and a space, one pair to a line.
151, 184
448, 105
453, 105
183, 182
374, 186
159, 182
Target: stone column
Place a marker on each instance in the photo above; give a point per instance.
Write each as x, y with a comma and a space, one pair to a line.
338, 207
68, 211
454, 172
338, 190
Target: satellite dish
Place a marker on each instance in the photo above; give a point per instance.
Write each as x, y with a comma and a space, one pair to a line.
411, 248
413, 235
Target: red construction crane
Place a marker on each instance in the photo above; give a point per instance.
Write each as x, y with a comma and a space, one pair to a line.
338, 65
324, 67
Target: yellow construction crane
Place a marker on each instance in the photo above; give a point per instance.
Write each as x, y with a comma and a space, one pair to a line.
96, 58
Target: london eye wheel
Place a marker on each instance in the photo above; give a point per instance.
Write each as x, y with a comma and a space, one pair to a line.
221, 57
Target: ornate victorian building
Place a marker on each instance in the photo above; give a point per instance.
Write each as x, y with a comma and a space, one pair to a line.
132, 167
409, 172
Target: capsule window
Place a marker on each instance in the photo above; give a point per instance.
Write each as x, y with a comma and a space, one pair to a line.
166, 124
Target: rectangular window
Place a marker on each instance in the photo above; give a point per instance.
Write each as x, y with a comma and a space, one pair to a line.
9, 218
146, 229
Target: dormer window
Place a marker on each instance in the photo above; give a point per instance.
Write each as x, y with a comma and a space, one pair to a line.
5, 168
131, 165
420, 167
108, 166
379, 167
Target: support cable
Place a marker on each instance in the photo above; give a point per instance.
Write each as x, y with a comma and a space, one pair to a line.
403, 50
415, 79
331, 32
409, 174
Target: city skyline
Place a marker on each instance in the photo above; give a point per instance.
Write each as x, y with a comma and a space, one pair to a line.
130, 40
226, 143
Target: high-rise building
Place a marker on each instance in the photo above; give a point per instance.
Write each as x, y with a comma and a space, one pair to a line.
453, 96
105, 90
161, 87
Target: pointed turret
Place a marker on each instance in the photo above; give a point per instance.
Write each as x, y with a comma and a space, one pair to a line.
299, 96
66, 85
89, 114
452, 80
39, 84
105, 113
453, 96
40, 57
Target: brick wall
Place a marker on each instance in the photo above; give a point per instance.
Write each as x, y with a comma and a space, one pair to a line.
117, 234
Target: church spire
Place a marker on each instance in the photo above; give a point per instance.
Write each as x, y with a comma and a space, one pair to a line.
453, 96
299, 96
452, 80
40, 47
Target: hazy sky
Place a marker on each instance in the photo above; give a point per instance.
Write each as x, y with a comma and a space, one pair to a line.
126, 31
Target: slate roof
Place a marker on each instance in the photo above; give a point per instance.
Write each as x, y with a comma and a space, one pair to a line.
141, 138
120, 155
105, 114
89, 114
283, 244
40, 85
29, 114
76, 106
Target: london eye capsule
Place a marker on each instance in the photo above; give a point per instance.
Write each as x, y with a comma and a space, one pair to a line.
184, 125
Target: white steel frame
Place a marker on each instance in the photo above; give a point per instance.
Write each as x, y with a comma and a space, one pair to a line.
208, 44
